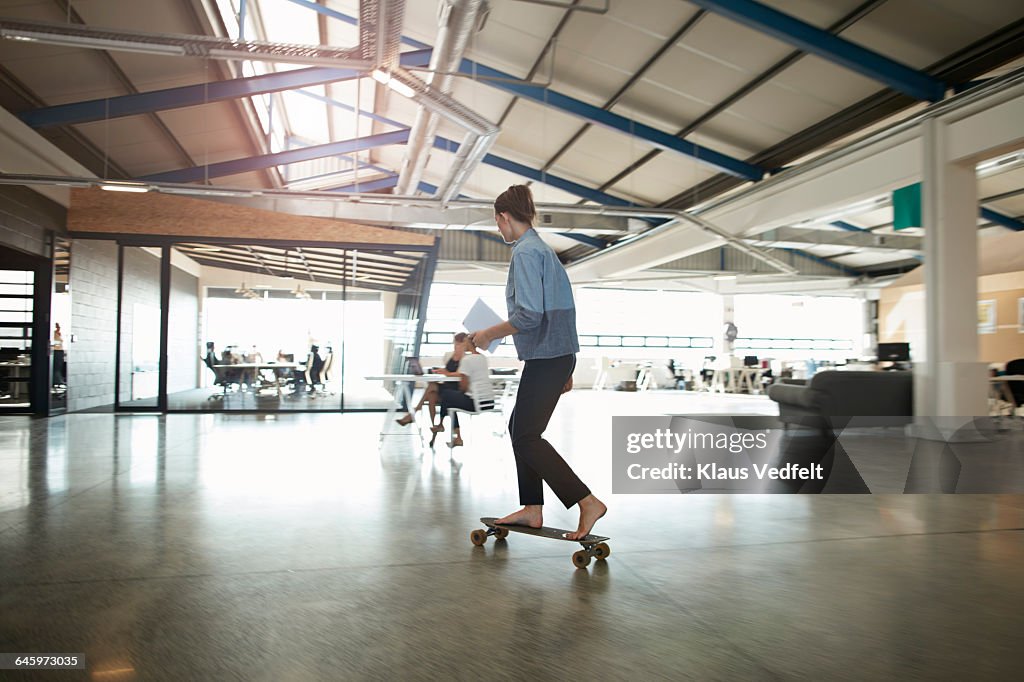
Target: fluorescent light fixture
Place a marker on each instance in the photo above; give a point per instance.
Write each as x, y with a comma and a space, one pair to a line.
118, 187
401, 88
722, 278
92, 42
385, 78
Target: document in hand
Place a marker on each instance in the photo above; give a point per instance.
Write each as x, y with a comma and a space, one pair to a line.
480, 317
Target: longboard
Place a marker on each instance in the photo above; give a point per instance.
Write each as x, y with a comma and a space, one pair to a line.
593, 545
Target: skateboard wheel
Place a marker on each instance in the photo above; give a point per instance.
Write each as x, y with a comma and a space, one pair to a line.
501, 534
602, 551
581, 559
478, 537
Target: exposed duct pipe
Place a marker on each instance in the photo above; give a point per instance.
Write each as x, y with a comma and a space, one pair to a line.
380, 31
456, 22
480, 136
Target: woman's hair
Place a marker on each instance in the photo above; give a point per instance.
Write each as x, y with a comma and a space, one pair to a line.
460, 337
517, 201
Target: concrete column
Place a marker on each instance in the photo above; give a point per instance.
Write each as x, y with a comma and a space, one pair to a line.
949, 380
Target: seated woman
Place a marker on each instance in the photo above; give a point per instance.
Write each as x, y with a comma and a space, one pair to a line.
475, 390
432, 394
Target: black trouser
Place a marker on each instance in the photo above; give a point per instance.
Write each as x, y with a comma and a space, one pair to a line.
540, 387
458, 400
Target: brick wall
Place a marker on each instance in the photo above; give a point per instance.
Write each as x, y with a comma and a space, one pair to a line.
25, 217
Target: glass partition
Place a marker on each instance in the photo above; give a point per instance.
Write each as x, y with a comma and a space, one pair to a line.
60, 321
139, 324
274, 328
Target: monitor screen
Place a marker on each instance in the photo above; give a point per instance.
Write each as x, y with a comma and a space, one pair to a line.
414, 366
750, 361
894, 352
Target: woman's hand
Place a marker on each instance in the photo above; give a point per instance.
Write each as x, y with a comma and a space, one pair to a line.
480, 339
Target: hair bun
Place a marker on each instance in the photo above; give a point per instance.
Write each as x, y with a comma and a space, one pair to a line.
517, 201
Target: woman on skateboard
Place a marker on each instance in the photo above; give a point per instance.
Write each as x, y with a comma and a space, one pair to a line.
542, 323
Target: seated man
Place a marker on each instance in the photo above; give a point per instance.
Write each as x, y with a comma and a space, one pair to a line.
475, 389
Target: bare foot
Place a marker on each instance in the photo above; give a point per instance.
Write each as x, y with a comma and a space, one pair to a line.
531, 515
591, 509
405, 421
455, 443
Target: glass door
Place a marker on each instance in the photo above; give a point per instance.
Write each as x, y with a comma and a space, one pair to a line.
139, 327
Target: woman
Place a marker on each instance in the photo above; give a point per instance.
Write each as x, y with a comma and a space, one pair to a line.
542, 323
433, 391
474, 390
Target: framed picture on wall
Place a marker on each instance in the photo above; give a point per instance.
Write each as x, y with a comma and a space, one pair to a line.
987, 317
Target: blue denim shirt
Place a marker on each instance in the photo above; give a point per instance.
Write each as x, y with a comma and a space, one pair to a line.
539, 300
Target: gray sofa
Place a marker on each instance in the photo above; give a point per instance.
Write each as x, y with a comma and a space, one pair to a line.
832, 397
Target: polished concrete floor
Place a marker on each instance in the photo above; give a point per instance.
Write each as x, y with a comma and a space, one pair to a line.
294, 547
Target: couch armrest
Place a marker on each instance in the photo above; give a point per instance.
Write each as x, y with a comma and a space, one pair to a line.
793, 395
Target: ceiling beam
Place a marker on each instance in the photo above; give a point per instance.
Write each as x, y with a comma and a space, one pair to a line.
235, 166
821, 43
994, 50
1000, 219
194, 95
570, 105
852, 240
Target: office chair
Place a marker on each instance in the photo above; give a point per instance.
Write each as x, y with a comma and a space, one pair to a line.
483, 401
219, 379
1015, 367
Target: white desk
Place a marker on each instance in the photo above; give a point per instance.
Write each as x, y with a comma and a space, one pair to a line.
405, 384
258, 367
738, 379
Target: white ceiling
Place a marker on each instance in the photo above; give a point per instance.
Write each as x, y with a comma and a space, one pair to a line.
591, 59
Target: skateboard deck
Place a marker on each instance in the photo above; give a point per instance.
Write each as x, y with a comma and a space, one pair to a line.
593, 545
543, 531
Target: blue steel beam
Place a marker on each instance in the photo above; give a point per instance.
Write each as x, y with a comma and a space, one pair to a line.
216, 170
193, 95
819, 42
598, 116
534, 174
368, 185
447, 145
848, 226
1000, 219
585, 239
588, 112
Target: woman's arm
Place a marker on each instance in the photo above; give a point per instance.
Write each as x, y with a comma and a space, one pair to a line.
482, 339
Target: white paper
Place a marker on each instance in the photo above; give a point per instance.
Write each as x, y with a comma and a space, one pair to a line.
480, 317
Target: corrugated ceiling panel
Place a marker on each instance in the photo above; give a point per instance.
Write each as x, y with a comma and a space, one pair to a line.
535, 132
661, 178
599, 151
